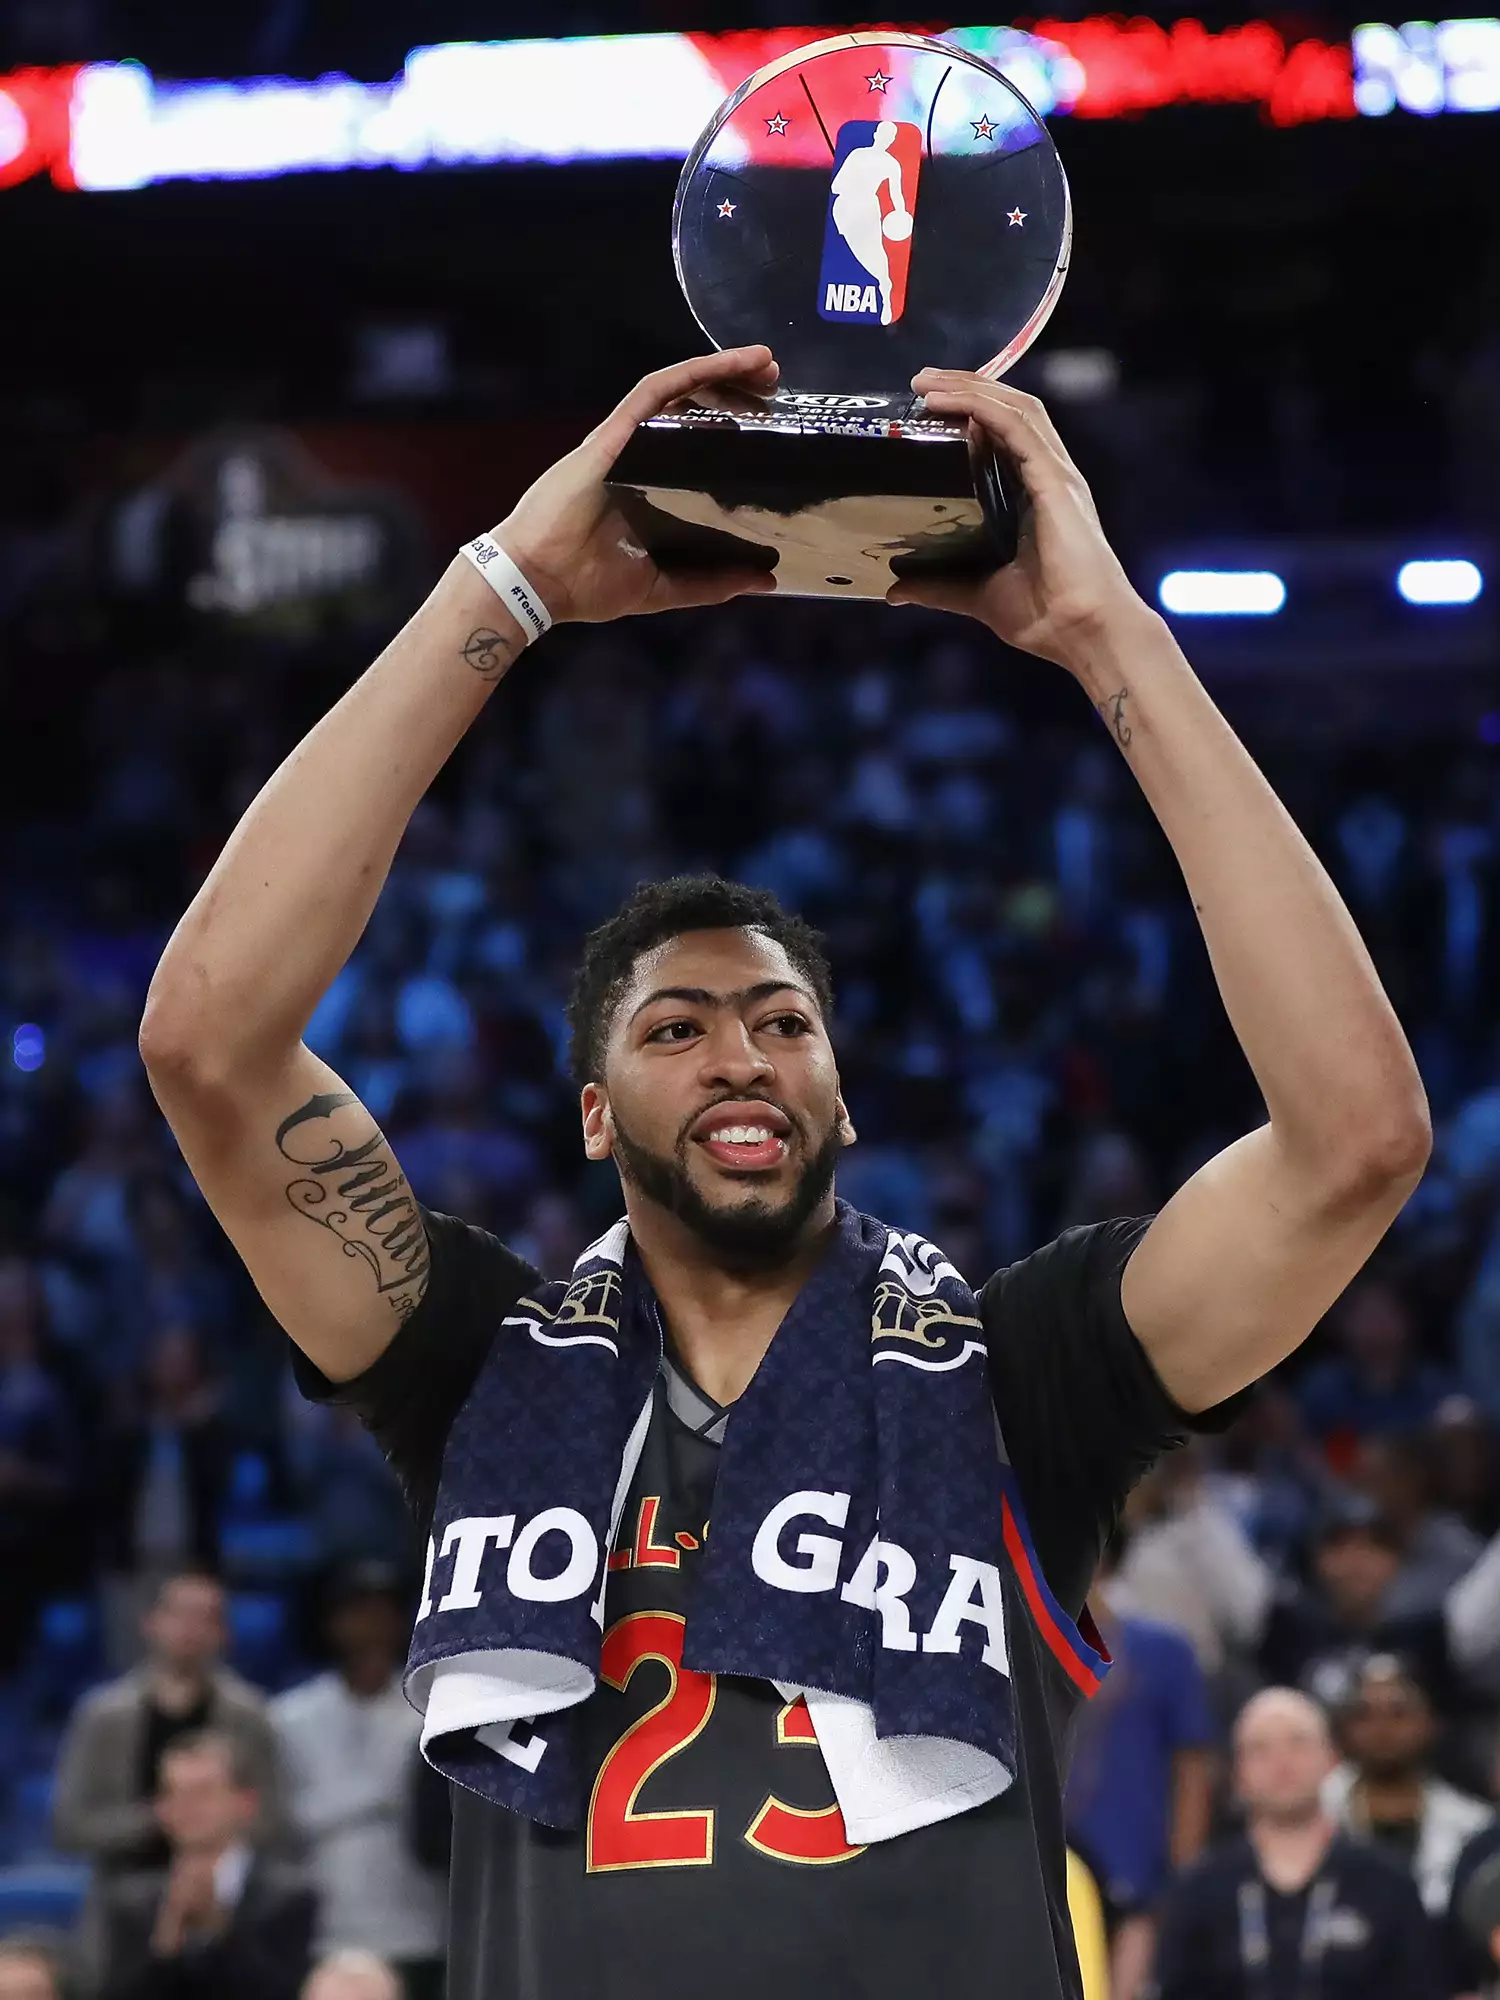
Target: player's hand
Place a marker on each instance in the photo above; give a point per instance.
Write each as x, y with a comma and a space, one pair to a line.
1066, 585
572, 543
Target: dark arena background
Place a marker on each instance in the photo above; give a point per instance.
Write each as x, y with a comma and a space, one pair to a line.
300, 295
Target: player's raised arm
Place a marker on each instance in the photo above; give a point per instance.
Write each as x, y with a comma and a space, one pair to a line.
292, 1164
1244, 1260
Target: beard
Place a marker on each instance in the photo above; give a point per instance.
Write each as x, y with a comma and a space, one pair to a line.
748, 1235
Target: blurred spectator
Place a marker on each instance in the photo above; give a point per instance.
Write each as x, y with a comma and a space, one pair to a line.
1313, 1630
1476, 1323
1188, 1563
165, 1280
1435, 1549
29, 1970
88, 1213
1293, 1908
346, 1491
1385, 1790
1082, 840
1379, 1383
220, 1921
1474, 1913
1110, 1178
353, 1975
1141, 1785
109, 1763
1269, 1475
169, 1461
1319, 1634
551, 1235
1463, 1462
348, 1740
39, 1462
594, 751
1477, 1918
454, 1145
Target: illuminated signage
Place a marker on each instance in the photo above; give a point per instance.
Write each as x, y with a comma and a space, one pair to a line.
1221, 593
1427, 66
611, 97
1440, 580
245, 525
36, 107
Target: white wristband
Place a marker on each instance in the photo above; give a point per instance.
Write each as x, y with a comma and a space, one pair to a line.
508, 584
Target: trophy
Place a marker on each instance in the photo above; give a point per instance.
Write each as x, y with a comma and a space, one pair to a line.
867, 206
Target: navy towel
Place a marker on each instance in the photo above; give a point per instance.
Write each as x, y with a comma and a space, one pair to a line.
863, 1521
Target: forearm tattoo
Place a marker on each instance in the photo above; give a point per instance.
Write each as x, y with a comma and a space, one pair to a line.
1113, 711
349, 1184
488, 653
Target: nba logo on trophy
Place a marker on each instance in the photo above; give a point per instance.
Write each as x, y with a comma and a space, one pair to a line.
871, 204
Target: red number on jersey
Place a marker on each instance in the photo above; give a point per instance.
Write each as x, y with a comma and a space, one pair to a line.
796, 1833
619, 1836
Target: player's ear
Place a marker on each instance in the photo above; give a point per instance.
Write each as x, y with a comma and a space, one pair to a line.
843, 1123
598, 1124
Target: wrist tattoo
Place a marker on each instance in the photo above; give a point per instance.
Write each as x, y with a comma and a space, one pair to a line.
350, 1185
488, 653
1113, 711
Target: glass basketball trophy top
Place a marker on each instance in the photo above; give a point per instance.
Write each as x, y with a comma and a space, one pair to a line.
867, 206
871, 206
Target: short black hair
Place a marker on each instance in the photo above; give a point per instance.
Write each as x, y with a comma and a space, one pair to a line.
656, 911
1388, 1670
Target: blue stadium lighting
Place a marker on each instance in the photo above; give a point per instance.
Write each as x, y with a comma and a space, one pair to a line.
1221, 593
28, 1047
1452, 581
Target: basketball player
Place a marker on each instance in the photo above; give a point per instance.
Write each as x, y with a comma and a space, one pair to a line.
868, 171
714, 1859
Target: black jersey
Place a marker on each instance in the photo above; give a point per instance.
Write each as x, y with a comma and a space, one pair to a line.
712, 1853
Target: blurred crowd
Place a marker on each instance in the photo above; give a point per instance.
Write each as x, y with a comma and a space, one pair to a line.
204, 1622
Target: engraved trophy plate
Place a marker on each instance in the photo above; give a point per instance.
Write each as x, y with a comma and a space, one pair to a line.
867, 206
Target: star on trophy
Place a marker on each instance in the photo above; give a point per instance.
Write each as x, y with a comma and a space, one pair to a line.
867, 206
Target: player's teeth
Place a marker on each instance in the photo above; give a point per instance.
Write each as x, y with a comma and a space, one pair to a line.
744, 1135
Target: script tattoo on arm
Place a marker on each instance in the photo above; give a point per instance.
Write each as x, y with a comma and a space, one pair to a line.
349, 1184
488, 653
1113, 711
